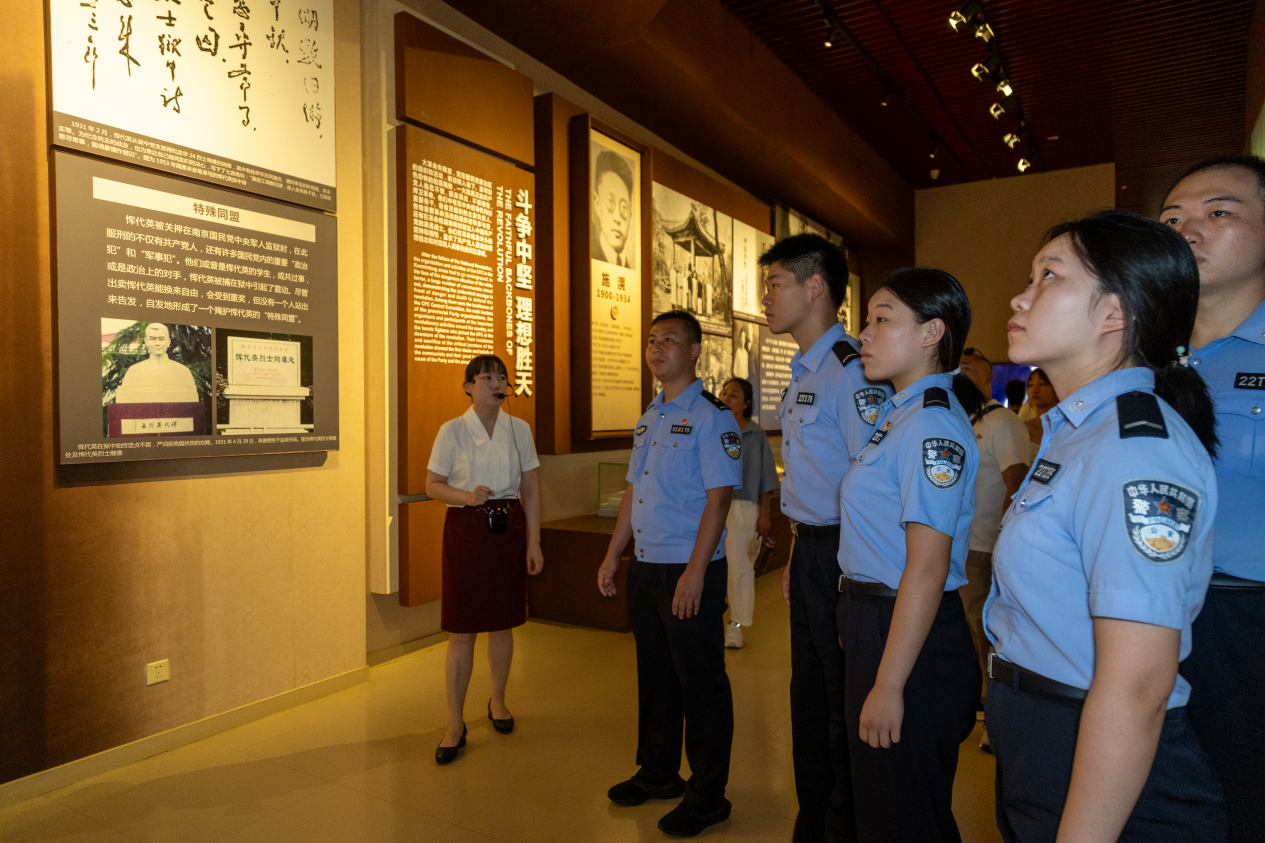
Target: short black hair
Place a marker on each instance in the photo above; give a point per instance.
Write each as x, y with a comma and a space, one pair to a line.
1015, 392
613, 162
1254, 164
748, 394
806, 255
692, 328
485, 363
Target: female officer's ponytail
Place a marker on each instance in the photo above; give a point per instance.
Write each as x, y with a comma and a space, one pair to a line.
1153, 271
935, 294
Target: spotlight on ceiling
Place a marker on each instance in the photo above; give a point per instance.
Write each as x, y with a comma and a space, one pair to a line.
1005, 88
1010, 139
963, 17
996, 110
887, 96
988, 67
984, 32
1024, 165
935, 147
828, 43
830, 35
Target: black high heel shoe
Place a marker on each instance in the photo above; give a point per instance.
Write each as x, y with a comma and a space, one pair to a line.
448, 754
503, 726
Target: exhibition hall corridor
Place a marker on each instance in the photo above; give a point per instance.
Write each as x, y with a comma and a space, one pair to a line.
359, 765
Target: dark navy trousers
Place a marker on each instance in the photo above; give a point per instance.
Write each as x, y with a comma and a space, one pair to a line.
681, 681
1034, 739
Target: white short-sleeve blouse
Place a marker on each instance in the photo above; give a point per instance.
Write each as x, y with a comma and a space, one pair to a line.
468, 458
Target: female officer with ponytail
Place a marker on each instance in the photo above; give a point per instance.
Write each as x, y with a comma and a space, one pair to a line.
911, 677
1106, 552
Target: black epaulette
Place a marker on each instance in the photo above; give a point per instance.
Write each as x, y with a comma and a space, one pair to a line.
935, 396
846, 352
1140, 415
720, 405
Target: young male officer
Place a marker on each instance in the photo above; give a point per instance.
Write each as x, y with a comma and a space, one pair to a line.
686, 463
1219, 207
828, 415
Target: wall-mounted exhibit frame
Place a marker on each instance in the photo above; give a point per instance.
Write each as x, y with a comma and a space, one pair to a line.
607, 323
154, 276
234, 94
465, 282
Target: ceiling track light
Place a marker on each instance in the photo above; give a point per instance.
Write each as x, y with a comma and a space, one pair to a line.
1010, 139
984, 32
1005, 88
887, 96
961, 19
935, 147
830, 36
990, 66
996, 110
1024, 165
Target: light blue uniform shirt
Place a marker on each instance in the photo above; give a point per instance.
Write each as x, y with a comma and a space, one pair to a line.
1102, 526
1234, 369
828, 414
680, 450
921, 469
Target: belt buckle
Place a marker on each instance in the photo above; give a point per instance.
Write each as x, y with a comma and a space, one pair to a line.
991, 656
794, 527
843, 583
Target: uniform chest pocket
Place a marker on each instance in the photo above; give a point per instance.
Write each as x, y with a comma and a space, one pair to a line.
801, 414
1241, 452
681, 443
1022, 527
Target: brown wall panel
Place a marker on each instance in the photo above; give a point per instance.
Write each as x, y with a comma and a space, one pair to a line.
421, 551
453, 88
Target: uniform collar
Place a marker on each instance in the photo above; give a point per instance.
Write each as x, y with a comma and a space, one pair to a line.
817, 352
1082, 403
685, 400
920, 386
475, 425
1252, 328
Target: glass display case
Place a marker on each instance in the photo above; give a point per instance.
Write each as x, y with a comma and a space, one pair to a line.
612, 479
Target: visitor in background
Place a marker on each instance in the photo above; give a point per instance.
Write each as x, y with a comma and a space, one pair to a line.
1041, 397
1105, 556
483, 465
1016, 391
749, 515
911, 677
1004, 457
1218, 208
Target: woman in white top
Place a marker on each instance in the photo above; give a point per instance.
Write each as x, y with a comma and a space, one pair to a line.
480, 465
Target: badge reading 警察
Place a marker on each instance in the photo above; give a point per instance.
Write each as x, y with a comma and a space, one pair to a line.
1159, 518
942, 461
733, 444
868, 401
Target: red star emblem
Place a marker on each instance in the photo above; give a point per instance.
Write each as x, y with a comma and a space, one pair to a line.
945, 453
1164, 507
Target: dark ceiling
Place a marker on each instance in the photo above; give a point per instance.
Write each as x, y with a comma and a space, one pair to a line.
1151, 85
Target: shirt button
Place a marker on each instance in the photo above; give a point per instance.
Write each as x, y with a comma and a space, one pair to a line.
783, 504
1195, 362
673, 444
1256, 411
638, 529
797, 380
647, 472
654, 443
639, 500
1078, 404
661, 415
812, 362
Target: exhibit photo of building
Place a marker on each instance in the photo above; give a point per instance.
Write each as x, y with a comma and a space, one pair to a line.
763, 420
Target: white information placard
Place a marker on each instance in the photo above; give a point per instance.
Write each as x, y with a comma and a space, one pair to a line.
239, 93
749, 244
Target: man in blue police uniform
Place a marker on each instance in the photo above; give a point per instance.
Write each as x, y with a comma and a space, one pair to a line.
1219, 207
828, 415
686, 462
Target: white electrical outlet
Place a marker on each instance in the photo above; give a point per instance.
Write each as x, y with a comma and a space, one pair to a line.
156, 672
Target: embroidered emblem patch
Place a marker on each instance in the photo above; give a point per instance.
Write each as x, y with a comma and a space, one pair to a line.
641, 428
733, 444
1045, 471
806, 398
868, 402
942, 461
682, 428
1159, 517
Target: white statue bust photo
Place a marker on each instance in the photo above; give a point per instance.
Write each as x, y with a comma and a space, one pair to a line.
158, 380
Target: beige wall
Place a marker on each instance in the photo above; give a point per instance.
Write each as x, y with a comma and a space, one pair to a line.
246, 572
986, 234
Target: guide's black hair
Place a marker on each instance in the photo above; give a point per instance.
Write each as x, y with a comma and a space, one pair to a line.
1152, 270
692, 329
748, 394
1254, 164
612, 162
935, 294
1015, 392
485, 363
806, 255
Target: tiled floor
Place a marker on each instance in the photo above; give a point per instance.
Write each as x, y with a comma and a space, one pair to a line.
359, 765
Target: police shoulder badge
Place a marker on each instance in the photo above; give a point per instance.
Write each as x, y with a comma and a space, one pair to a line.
733, 444
641, 428
942, 461
1158, 518
868, 401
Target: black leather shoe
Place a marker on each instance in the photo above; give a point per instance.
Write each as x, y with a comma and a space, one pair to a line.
503, 726
683, 821
448, 754
635, 791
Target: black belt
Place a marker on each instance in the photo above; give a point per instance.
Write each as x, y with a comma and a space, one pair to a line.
828, 531
856, 588
498, 503
1220, 580
1022, 679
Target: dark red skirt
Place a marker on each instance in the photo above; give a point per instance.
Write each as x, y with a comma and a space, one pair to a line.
484, 575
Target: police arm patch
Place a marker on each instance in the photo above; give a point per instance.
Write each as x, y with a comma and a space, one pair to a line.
868, 402
733, 444
943, 461
1159, 518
